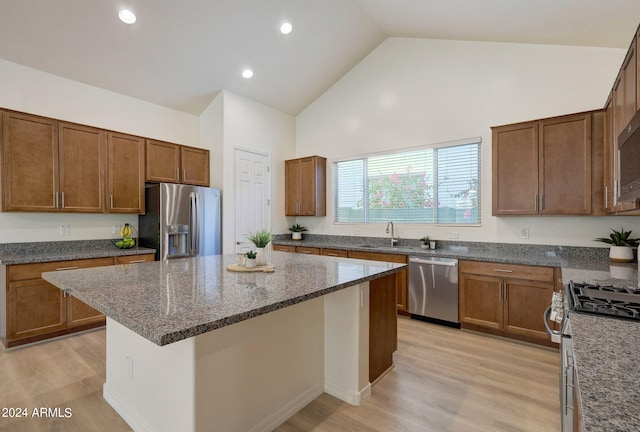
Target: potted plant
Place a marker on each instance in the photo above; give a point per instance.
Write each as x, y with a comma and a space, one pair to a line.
424, 242
296, 231
621, 245
250, 262
260, 239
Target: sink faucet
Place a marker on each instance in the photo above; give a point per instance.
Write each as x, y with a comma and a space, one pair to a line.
394, 240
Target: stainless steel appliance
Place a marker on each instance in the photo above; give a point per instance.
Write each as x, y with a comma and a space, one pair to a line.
433, 290
181, 221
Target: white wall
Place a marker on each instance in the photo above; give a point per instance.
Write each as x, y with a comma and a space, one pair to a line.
252, 126
29, 90
410, 92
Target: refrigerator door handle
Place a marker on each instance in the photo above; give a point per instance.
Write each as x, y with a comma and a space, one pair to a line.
194, 223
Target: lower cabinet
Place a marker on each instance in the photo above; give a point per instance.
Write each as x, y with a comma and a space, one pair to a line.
506, 299
37, 310
383, 326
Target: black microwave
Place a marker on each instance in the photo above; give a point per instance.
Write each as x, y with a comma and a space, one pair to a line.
629, 161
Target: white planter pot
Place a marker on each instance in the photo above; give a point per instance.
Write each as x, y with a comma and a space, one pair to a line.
250, 263
621, 254
296, 236
261, 259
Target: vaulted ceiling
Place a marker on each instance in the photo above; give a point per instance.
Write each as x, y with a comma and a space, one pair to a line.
180, 54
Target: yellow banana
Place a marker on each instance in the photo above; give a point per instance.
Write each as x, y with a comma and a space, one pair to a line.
125, 231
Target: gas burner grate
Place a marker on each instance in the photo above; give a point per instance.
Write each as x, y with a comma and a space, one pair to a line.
622, 302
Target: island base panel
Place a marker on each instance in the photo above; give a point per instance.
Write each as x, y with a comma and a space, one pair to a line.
249, 376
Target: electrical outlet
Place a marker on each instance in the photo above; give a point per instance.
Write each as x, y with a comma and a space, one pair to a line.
116, 229
454, 235
524, 233
65, 230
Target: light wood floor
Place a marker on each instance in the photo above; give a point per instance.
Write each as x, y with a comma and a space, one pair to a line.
444, 380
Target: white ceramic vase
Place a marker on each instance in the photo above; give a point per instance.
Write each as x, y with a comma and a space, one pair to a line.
250, 262
296, 236
261, 258
622, 254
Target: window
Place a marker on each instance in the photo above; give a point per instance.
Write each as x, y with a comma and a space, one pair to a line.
438, 184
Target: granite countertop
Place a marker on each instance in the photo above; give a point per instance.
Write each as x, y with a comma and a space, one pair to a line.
37, 252
606, 355
167, 301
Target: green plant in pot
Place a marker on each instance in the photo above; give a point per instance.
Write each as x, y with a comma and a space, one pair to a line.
424, 242
260, 239
251, 259
296, 231
621, 245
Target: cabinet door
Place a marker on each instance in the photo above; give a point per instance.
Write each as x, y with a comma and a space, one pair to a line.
481, 301
335, 252
135, 259
630, 82
610, 157
34, 307
80, 314
307, 188
195, 166
162, 162
525, 303
618, 108
402, 292
29, 163
515, 169
125, 173
82, 162
383, 325
308, 250
292, 187
565, 165
284, 248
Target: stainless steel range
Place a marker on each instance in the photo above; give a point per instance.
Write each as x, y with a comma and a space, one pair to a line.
618, 302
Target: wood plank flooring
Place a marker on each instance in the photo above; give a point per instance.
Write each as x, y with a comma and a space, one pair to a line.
444, 380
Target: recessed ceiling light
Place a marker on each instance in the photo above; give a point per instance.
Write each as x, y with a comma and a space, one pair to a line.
126, 16
286, 28
247, 73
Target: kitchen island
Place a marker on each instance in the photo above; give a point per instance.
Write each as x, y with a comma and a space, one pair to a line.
192, 346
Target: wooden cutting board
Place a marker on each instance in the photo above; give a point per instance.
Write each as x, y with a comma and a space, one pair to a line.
267, 268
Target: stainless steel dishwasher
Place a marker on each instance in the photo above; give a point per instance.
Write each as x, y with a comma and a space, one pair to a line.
433, 290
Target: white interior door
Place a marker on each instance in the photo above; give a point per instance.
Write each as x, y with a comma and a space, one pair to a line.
253, 196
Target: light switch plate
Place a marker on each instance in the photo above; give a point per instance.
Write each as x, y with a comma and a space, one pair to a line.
65, 230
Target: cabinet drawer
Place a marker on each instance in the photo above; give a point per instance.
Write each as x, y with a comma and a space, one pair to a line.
284, 248
375, 256
335, 253
33, 271
508, 271
132, 259
308, 250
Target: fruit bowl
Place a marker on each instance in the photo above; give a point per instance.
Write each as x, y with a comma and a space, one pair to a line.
124, 243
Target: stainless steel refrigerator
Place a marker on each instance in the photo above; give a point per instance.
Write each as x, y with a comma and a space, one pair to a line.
181, 221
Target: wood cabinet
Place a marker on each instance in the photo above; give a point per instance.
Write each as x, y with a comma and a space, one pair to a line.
195, 166
162, 162
544, 167
506, 299
37, 310
125, 158
383, 326
624, 91
308, 250
305, 186
402, 294
174, 163
51, 166
335, 253
284, 248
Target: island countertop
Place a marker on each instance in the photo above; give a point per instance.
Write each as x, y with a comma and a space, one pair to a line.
167, 301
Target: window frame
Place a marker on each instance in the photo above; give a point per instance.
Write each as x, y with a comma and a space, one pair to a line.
365, 181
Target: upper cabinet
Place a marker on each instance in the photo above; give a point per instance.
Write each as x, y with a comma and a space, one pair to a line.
544, 167
624, 91
125, 174
51, 166
173, 163
195, 166
305, 186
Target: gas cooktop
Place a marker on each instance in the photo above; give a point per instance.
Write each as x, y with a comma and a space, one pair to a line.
620, 302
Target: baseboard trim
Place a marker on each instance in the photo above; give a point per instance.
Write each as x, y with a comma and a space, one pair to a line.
128, 414
352, 398
286, 412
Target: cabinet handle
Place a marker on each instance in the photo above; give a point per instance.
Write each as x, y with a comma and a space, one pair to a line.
111, 202
606, 197
503, 271
136, 261
332, 254
535, 202
305, 252
62, 199
56, 199
177, 174
67, 268
184, 174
